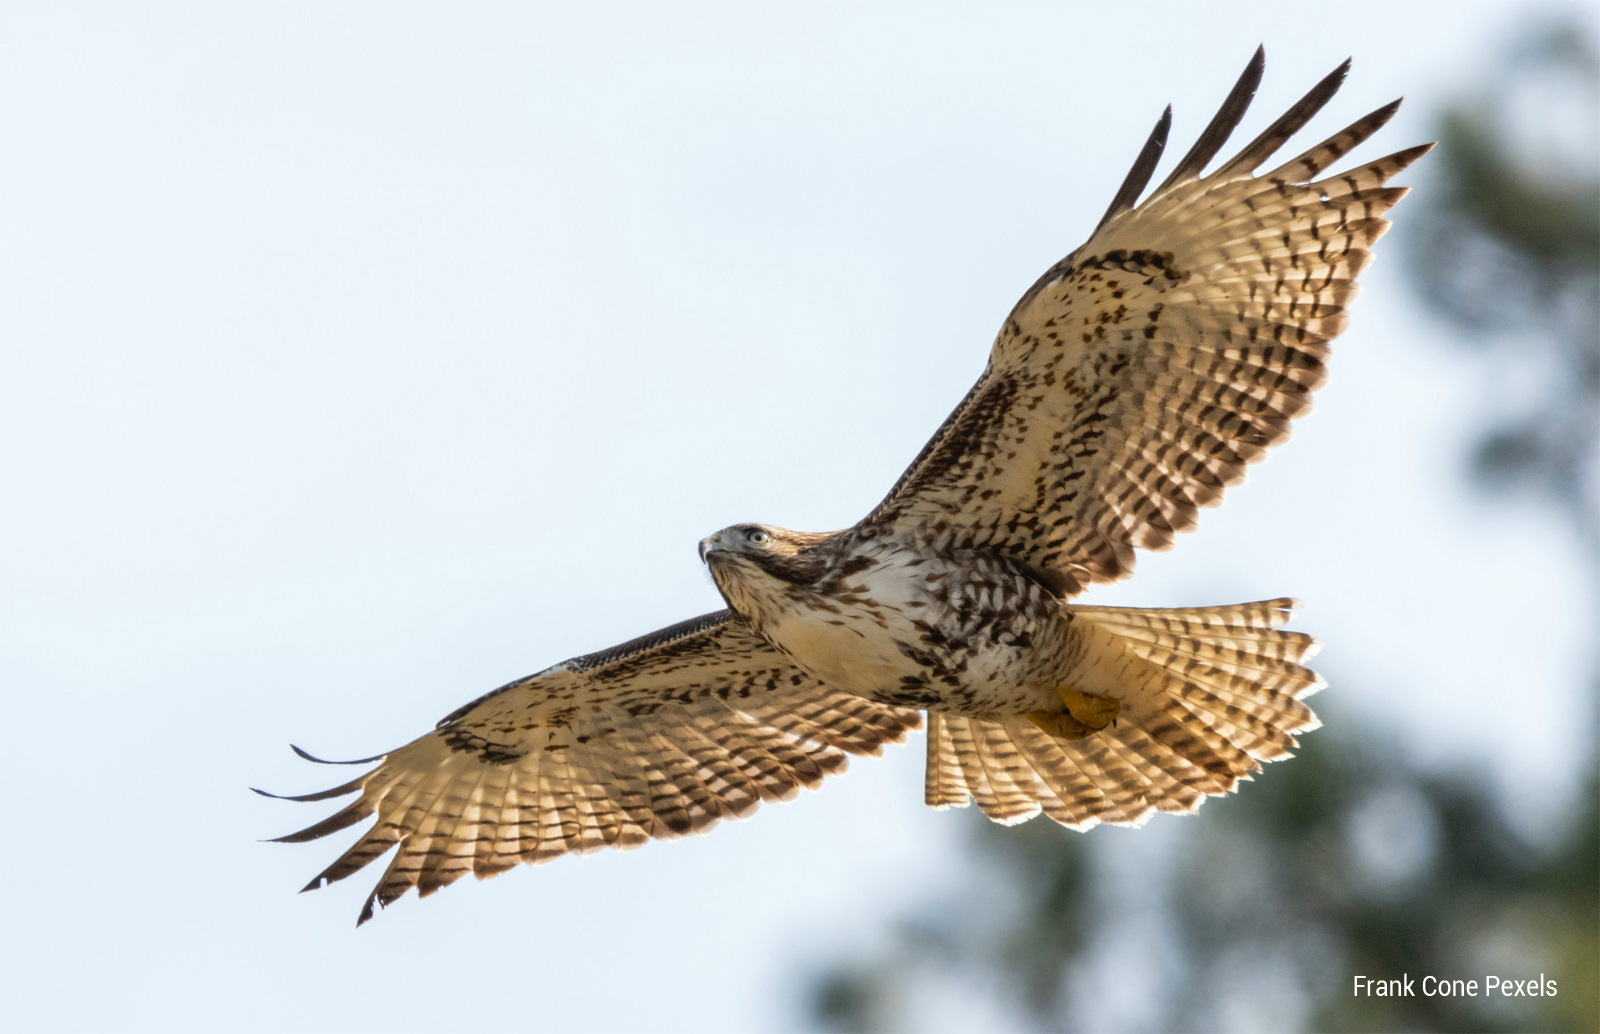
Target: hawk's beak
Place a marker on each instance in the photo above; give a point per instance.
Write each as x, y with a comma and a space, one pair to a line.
708, 544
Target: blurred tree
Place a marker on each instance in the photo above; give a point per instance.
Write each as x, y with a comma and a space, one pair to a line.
1508, 252
1351, 859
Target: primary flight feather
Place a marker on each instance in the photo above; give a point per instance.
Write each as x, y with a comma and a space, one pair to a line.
1129, 387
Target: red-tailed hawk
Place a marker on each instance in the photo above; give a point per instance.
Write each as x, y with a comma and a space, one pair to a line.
1131, 384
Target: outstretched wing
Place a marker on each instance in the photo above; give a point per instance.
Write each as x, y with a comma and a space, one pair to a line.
1137, 378
658, 737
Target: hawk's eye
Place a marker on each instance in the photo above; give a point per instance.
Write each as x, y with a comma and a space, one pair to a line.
759, 537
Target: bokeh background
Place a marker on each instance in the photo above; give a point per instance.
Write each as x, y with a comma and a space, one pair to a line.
360, 358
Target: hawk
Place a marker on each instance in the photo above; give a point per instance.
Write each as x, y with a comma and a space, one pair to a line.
1131, 384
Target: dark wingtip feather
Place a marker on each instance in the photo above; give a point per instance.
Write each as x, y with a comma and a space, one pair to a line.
344, 818
1289, 123
1399, 161
321, 795
1380, 118
321, 761
1143, 167
1411, 154
1223, 123
1303, 167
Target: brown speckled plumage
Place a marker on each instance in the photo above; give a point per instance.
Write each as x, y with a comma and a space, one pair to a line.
1131, 385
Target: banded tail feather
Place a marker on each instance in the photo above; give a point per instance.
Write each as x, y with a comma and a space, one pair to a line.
1207, 695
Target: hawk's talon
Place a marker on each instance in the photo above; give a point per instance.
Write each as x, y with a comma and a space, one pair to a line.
1094, 712
1059, 725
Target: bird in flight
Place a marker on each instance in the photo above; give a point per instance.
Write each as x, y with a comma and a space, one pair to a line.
1131, 384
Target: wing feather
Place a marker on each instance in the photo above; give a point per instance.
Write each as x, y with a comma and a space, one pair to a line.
1222, 124
1143, 167
1136, 380
1287, 125
663, 736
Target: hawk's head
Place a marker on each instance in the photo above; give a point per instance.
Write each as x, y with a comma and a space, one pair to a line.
750, 561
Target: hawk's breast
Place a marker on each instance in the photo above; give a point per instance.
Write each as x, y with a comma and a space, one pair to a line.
961, 631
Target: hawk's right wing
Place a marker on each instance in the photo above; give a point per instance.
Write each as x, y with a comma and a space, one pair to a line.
1141, 374
658, 737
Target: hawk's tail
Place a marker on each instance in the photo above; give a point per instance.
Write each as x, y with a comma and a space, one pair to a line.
1206, 695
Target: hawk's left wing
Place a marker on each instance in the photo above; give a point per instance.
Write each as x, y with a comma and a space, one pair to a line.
1140, 375
658, 737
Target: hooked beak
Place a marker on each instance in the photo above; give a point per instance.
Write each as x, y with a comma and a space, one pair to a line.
710, 544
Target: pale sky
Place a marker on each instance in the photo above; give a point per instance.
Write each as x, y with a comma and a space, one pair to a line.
360, 358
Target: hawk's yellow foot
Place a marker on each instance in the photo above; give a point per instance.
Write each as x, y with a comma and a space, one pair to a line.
1059, 724
1085, 715
1096, 712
